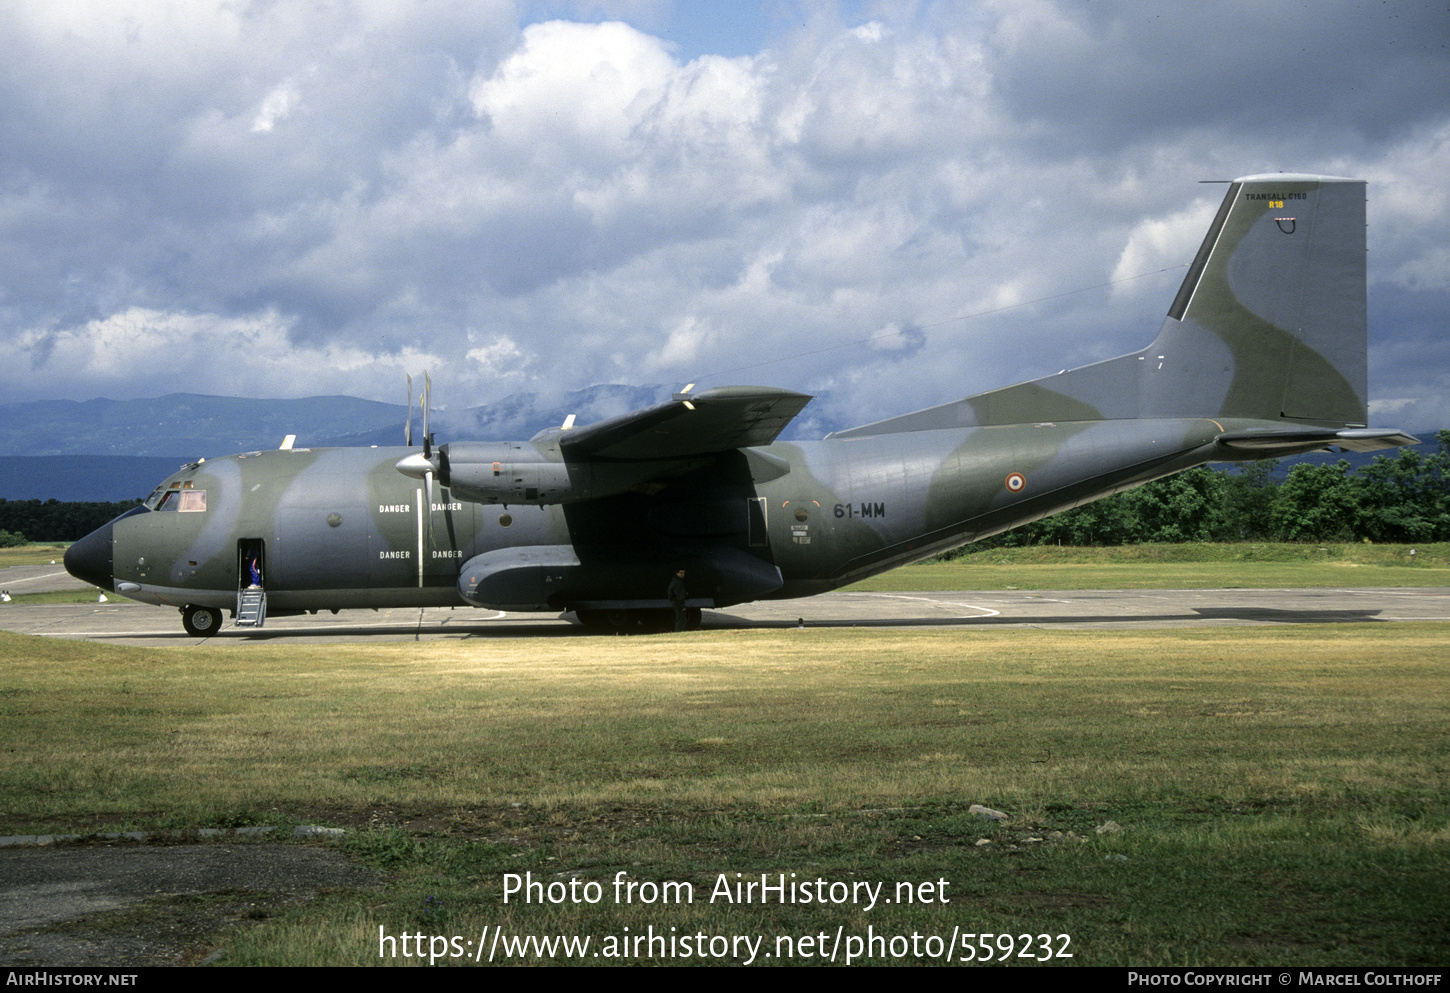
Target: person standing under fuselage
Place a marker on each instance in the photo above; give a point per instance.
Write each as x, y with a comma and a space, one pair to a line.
678, 595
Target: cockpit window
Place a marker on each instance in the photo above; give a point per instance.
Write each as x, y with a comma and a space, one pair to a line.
178, 496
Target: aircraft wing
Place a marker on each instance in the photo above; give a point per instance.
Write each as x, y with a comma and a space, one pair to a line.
1279, 442
691, 424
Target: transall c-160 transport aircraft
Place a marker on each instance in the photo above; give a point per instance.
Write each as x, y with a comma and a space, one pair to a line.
1262, 355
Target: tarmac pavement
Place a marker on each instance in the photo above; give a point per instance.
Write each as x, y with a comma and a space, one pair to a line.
124, 622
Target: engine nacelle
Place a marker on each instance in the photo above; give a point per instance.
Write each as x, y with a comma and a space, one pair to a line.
510, 472
511, 482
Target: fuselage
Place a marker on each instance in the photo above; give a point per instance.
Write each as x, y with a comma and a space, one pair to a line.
328, 529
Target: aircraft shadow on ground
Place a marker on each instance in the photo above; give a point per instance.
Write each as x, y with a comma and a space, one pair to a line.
1206, 613
342, 632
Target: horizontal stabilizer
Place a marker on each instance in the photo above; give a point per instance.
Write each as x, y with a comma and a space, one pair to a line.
1274, 443
716, 420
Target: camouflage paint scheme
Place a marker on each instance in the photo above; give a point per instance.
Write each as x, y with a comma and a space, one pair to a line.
1262, 355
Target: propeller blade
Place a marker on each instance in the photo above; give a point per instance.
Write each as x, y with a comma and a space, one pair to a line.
408, 425
428, 464
427, 401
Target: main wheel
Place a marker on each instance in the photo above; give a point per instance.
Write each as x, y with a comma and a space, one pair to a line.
200, 622
618, 621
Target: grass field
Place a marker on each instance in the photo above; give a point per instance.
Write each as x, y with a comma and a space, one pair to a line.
30, 555
1207, 796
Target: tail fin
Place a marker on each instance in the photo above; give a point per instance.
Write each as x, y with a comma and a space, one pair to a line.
1270, 321
1269, 325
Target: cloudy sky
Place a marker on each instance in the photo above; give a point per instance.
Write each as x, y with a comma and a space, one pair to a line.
894, 204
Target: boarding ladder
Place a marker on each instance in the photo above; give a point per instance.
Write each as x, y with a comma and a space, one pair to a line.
251, 607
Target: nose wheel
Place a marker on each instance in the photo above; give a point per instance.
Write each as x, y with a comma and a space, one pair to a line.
200, 622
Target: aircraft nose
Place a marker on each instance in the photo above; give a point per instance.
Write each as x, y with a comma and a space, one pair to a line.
89, 559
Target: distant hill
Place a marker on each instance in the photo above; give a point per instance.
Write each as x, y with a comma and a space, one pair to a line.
90, 478
191, 426
119, 449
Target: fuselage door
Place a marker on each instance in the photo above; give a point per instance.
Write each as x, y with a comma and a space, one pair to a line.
251, 563
251, 573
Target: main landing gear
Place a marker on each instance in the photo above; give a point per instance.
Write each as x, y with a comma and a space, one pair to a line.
201, 622
640, 621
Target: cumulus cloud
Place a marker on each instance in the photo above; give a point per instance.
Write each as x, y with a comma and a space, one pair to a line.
275, 107
1156, 242
317, 198
501, 356
204, 353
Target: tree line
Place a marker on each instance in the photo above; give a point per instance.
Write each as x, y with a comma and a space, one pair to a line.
22, 521
1403, 497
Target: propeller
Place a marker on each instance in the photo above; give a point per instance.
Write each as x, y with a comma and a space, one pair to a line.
425, 465
408, 425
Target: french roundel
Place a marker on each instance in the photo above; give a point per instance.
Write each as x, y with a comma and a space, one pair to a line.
1016, 482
